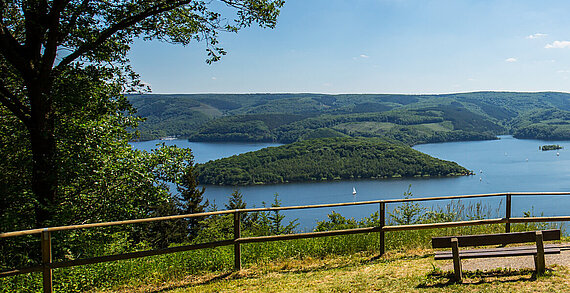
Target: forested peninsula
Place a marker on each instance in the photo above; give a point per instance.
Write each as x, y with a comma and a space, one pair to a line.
323, 160
411, 119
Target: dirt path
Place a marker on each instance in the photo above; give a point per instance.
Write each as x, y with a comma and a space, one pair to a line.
518, 262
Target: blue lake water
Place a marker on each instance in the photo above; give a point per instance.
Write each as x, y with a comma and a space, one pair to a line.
505, 165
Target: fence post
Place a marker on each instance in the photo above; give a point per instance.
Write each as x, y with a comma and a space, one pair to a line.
508, 214
382, 224
46, 261
237, 234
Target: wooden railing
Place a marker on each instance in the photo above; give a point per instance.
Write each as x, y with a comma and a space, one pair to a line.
48, 265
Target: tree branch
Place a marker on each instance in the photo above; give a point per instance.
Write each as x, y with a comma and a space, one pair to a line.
12, 51
53, 36
121, 25
34, 12
11, 102
75, 16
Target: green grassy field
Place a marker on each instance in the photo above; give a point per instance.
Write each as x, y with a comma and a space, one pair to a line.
410, 271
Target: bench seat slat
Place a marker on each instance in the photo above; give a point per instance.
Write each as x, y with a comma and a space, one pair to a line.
494, 239
498, 252
508, 248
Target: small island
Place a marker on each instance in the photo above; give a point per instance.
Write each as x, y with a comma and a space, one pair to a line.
550, 147
324, 160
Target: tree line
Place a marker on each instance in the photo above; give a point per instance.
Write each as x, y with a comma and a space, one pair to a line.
292, 117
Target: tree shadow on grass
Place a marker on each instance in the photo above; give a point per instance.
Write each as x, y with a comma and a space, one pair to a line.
395, 257
440, 279
192, 284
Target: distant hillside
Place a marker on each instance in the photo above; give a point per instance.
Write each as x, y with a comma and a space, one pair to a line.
411, 119
325, 159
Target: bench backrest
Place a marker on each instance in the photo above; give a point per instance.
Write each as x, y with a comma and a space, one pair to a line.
494, 239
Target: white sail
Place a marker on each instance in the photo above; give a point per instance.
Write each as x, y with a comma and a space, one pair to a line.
353, 191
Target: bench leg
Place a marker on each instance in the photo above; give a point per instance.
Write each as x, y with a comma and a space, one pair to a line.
539, 258
456, 260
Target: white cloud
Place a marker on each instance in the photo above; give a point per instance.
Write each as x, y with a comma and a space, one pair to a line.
558, 45
471, 79
563, 71
511, 60
364, 56
536, 36
214, 78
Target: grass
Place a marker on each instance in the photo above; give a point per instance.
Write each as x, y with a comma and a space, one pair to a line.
339, 263
412, 271
328, 263
437, 126
366, 127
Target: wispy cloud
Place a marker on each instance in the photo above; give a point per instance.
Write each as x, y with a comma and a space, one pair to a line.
558, 45
511, 60
536, 36
214, 78
364, 56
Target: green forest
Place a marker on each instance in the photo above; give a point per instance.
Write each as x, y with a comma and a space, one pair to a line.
411, 119
325, 159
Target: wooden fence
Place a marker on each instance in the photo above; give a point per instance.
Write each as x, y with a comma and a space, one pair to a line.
48, 265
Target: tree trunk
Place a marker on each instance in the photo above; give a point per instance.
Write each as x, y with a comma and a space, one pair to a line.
44, 156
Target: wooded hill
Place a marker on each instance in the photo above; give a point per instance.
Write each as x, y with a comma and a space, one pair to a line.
410, 119
325, 159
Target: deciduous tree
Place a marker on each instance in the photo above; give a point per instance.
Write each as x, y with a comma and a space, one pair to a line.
49, 50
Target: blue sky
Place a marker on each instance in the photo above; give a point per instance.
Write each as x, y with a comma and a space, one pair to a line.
378, 46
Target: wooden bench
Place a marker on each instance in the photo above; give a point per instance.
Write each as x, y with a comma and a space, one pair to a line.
454, 242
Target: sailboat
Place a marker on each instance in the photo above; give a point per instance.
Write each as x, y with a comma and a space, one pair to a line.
353, 193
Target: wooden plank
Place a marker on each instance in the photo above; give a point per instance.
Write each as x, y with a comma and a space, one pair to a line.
116, 257
456, 260
540, 219
376, 202
494, 239
475, 196
444, 225
308, 235
473, 253
237, 247
507, 248
139, 254
403, 200
382, 224
21, 271
107, 224
47, 274
540, 263
145, 220
508, 214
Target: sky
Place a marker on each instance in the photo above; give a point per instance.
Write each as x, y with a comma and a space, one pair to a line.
377, 46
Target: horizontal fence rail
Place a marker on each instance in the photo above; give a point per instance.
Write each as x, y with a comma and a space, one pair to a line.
48, 265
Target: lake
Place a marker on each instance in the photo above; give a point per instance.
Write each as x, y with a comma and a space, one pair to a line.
505, 165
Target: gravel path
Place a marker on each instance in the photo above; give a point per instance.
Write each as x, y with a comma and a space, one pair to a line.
518, 262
